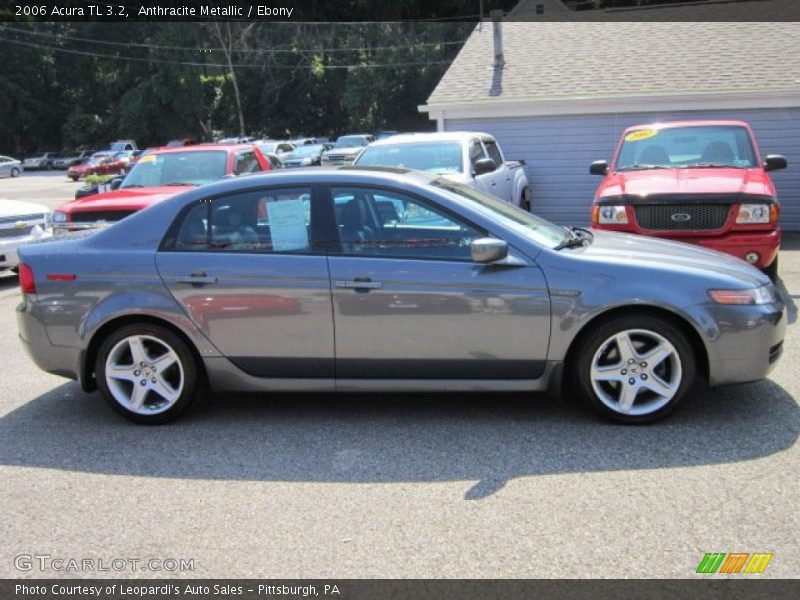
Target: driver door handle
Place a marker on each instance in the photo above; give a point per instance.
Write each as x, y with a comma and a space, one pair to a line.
359, 283
196, 278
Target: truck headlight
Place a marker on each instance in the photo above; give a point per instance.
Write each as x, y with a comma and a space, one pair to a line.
610, 215
760, 295
59, 217
753, 213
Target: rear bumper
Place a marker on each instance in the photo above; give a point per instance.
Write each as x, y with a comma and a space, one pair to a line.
58, 360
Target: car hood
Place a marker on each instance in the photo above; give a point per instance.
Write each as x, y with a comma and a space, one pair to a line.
676, 257
13, 208
687, 181
123, 199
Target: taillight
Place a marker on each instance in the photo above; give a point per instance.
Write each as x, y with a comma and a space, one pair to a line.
26, 280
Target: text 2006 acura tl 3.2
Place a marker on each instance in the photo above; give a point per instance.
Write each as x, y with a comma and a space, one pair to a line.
385, 279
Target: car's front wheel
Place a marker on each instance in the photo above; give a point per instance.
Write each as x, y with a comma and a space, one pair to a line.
147, 373
15, 172
635, 368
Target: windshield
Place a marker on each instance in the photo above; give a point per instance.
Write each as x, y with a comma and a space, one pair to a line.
305, 151
95, 160
348, 141
177, 168
691, 146
434, 157
540, 231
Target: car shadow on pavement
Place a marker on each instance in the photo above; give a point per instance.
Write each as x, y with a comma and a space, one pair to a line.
393, 438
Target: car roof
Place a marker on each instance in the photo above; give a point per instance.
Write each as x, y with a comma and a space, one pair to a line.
689, 123
319, 175
440, 136
203, 147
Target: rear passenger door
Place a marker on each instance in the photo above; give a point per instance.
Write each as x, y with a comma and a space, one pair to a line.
250, 271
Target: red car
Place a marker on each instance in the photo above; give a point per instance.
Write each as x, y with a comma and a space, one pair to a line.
701, 182
101, 163
158, 176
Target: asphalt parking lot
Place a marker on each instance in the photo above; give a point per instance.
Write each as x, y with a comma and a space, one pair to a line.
477, 486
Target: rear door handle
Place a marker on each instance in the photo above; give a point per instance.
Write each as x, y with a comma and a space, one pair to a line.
358, 284
196, 278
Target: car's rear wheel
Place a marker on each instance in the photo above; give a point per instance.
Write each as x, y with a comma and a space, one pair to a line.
147, 373
15, 172
635, 368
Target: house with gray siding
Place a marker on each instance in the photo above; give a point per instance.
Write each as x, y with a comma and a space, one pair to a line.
559, 93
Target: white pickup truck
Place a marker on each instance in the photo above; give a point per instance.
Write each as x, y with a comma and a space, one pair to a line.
475, 159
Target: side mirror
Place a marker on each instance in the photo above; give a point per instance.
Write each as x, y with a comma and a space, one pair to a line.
484, 165
599, 167
488, 250
115, 183
775, 162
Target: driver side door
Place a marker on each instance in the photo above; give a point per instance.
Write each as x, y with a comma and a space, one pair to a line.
409, 302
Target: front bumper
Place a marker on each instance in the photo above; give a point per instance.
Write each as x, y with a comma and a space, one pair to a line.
61, 229
8, 247
744, 342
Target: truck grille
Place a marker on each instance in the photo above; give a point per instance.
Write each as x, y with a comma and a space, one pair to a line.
681, 217
16, 232
15, 218
105, 215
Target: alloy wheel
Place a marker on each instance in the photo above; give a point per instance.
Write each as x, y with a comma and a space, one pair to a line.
636, 372
144, 374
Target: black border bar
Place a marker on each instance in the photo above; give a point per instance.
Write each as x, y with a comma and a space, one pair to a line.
356, 11
708, 587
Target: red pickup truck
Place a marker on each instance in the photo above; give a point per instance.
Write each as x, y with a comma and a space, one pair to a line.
701, 182
158, 176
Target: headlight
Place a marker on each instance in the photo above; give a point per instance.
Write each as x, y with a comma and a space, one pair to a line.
760, 295
59, 217
611, 215
307, 161
753, 213
351, 156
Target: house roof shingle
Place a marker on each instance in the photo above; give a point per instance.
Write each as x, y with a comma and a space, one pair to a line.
572, 60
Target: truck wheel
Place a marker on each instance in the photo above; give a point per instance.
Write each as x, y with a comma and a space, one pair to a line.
772, 270
634, 368
525, 202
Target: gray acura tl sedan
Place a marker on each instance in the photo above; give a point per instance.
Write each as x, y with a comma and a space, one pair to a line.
368, 279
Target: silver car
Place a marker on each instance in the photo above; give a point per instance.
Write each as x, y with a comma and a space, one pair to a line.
383, 279
10, 167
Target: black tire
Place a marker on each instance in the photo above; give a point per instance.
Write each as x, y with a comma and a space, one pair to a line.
525, 202
15, 172
594, 342
193, 379
73, 178
772, 270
